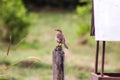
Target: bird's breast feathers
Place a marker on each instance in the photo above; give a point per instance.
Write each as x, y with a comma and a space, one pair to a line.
60, 37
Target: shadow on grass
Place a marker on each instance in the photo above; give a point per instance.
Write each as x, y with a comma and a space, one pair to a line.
32, 64
5, 62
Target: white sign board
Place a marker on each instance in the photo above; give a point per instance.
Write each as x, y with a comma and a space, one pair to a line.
107, 20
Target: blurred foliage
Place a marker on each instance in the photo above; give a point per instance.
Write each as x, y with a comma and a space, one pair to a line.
84, 15
14, 20
83, 29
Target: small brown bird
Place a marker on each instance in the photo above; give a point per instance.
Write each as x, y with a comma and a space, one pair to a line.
60, 38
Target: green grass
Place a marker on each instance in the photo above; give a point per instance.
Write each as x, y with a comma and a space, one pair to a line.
38, 45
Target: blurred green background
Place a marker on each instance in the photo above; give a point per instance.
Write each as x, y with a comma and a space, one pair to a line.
31, 25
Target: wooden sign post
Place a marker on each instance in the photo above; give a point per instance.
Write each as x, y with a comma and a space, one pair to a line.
105, 27
58, 63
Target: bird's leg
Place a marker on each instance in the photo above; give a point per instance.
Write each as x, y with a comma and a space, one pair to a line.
60, 44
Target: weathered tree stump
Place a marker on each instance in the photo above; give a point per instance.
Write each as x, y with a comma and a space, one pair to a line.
58, 63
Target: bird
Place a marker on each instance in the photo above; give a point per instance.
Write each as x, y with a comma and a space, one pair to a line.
60, 38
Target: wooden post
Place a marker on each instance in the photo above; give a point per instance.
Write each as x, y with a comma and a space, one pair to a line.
103, 58
92, 32
58, 63
97, 56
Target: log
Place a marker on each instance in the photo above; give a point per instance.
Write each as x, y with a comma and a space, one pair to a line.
58, 63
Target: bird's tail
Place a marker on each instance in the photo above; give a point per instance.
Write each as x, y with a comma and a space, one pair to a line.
65, 45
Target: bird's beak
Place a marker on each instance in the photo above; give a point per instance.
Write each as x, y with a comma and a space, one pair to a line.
53, 30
